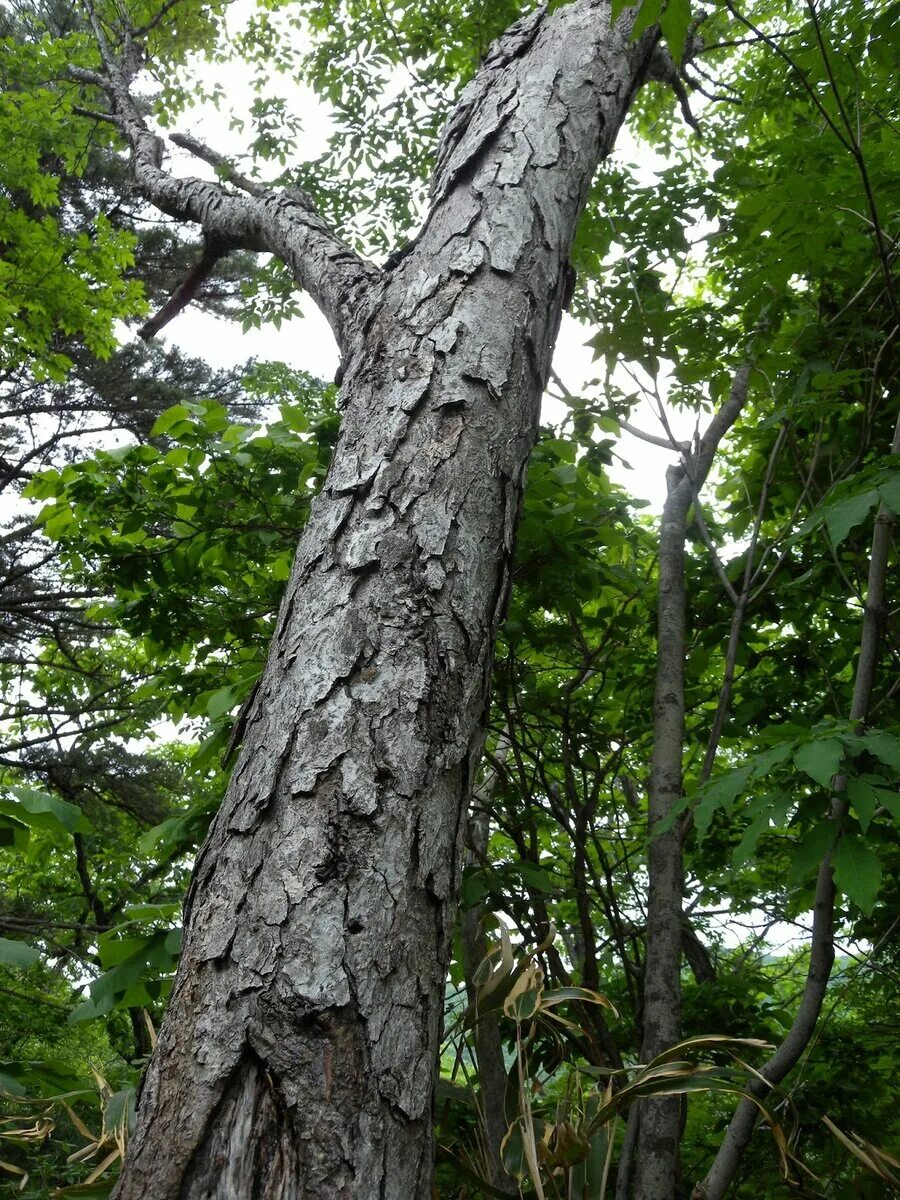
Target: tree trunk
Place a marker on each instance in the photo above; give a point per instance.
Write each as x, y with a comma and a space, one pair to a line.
299, 1053
659, 1124
660, 1120
821, 952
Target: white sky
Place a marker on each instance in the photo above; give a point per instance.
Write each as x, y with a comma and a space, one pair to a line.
307, 343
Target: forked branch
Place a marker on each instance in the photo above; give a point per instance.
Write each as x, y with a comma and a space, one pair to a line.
282, 222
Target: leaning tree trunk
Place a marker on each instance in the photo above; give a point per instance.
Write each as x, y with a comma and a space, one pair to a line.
299, 1053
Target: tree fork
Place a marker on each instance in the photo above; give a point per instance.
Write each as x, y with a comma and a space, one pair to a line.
299, 1054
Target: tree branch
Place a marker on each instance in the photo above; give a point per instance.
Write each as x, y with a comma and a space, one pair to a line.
226, 169
93, 114
186, 291
279, 222
666, 443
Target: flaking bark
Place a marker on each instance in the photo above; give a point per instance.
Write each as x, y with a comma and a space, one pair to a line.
298, 1056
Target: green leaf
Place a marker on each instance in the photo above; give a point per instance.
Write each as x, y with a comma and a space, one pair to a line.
524, 997
857, 872
221, 702
13, 833
674, 23
884, 746
766, 760
40, 810
891, 801
512, 1151
864, 799
720, 793
11, 1086
768, 810
137, 961
820, 760
811, 850
99, 1190
119, 1110
648, 14
17, 954
165, 421
476, 883
845, 515
890, 493
536, 878
583, 995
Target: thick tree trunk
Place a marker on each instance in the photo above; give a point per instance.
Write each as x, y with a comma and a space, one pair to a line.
299, 1053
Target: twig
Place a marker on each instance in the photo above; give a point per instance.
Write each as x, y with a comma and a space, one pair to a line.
159, 16
714, 554
224, 168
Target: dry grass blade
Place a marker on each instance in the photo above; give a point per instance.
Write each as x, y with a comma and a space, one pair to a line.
38, 1132
878, 1162
79, 1124
101, 1167
151, 1032
85, 1152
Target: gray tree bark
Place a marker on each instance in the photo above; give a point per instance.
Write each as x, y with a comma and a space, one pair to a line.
299, 1053
659, 1122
